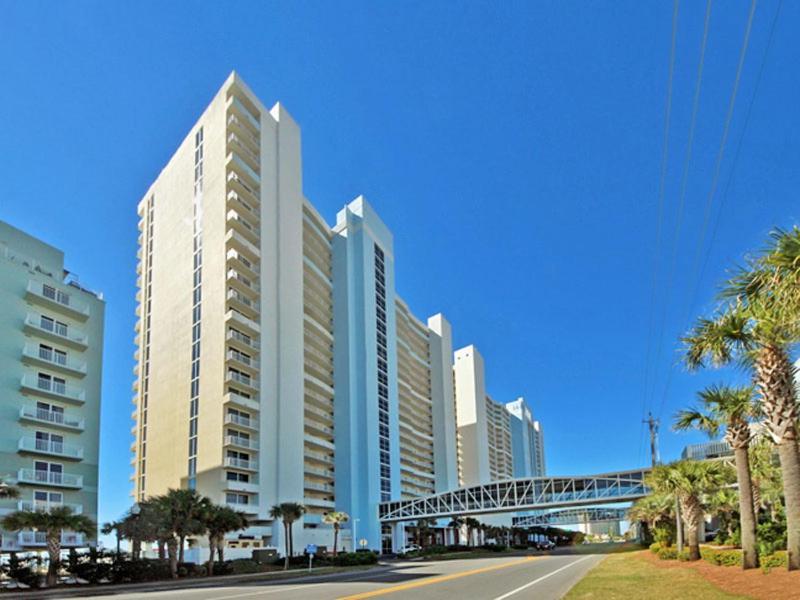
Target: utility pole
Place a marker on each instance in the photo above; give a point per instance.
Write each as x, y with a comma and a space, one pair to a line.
653, 425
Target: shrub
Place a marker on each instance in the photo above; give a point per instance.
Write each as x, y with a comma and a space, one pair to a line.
22, 570
772, 561
722, 558
350, 559
494, 547
146, 569
223, 568
435, 549
771, 537
459, 548
655, 547
667, 553
664, 534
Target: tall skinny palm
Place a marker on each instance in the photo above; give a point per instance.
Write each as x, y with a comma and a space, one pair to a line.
690, 481
288, 513
731, 408
220, 520
182, 515
52, 523
114, 527
336, 519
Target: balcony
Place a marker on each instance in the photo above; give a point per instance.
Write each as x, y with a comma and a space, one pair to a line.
319, 457
9, 542
238, 184
48, 358
242, 380
43, 506
239, 401
240, 463
319, 502
241, 486
241, 283
239, 203
249, 508
318, 442
242, 341
240, 360
51, 418
235, 106
316, 428
239, 262
318, 472
243, 304
241, 421
38, 538
49, 478
36, 446
51, 297
318, 487
246, 149
49, 388
236, 240
241, 322
52, 331
241, 442
241, 225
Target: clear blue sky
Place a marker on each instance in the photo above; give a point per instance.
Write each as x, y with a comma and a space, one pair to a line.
512, 147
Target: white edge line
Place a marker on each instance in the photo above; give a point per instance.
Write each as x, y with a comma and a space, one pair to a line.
542, 578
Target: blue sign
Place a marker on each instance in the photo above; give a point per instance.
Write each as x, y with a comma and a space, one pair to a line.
311, 549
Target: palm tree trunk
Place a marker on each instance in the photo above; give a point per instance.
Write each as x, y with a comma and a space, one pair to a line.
335, 539
286, 545
221, 548
180, 548
119, 539
161, 551
210, 555
54, 552
172, 550
790, 465
137, 548
746, 511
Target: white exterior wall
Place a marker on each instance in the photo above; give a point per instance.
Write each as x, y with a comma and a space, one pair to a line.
470, 391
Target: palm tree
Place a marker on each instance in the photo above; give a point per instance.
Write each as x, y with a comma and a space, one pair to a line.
767, 480
288, 513
654, 510
336, 519
220, 520
7, 491
724, 504
182, 515
116, 528
690, 481
423, 531
52, 524
758, 326
731, 408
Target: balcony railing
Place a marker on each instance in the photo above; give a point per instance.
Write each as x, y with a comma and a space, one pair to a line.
49, 478
237, 240
241, 421
53, 359
44, 506
52, 329
248, 361
52, 388
243, 379
52, 297
243, 339
29, 444
240, 463
58, 419
318, 472
38, 538
319, 487
319, 456
243, 321
241, 442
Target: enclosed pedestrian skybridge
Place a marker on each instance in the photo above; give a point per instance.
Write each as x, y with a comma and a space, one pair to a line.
517, 495
570, 516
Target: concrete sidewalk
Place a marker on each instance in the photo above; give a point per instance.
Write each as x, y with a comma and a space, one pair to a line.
320, 574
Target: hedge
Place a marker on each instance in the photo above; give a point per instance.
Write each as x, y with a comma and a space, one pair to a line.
722, 558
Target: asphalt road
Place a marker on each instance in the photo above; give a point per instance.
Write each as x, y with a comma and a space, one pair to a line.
541, 577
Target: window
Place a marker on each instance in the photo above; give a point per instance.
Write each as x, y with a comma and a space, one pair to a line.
48, 291
45, 381
54, 326
233, 498
49, 442
233, 476
51, 354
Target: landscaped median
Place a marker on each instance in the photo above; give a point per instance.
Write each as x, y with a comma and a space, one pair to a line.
645, 574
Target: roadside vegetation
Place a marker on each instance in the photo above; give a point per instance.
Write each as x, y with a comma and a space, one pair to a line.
756, 327
165, 523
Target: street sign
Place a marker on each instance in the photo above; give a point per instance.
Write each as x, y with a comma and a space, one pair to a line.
311, 549
363, 542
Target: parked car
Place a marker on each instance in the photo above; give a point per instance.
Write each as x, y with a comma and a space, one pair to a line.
409, 548
545, 545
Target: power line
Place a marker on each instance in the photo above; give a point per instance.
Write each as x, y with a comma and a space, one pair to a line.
724, 196
684, 179
660, 217
720, 155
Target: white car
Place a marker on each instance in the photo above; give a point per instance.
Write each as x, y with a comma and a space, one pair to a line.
409, 548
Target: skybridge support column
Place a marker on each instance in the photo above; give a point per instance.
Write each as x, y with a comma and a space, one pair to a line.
398, 536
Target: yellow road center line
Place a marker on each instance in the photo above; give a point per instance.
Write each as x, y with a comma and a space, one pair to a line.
434, 580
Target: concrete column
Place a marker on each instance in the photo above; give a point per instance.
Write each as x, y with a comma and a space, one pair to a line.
398, 536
